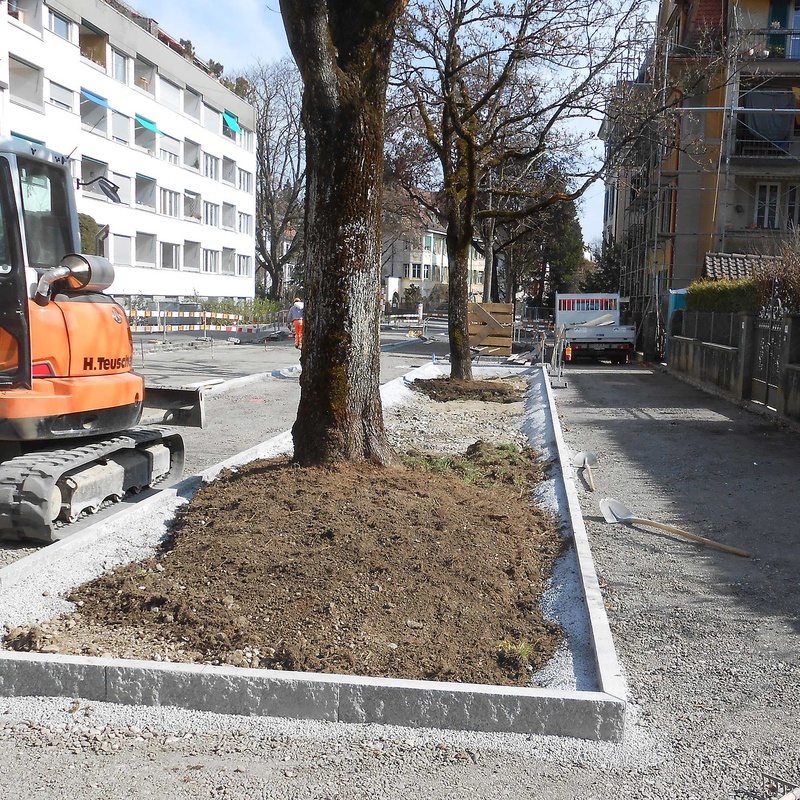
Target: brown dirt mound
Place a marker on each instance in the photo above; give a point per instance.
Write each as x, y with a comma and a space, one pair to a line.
393, 571
445, 389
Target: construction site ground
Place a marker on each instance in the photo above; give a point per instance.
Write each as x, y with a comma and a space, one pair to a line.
708, 643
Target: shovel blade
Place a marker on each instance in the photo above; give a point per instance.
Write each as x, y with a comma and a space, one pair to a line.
614, 511
586, 458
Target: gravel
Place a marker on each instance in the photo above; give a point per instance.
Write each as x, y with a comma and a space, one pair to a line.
708, 643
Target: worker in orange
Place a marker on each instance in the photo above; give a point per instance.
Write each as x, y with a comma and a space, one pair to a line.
296, 319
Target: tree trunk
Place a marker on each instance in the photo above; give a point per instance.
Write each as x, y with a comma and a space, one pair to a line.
487, 229
344, 55
458, 244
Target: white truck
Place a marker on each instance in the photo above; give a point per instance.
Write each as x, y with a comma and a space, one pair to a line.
587, 326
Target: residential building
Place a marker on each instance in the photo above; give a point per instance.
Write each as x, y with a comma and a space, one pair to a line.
415, 254
719, 174
103, 84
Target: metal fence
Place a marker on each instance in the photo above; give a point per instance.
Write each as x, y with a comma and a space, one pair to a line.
711, 327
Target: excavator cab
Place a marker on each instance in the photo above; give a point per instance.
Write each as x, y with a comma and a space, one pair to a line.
65, 347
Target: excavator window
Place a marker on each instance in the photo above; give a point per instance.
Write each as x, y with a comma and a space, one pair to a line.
45, 211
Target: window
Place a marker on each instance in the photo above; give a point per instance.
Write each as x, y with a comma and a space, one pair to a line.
767, 205
243, 266
211, 214
170, 255
416, 271
169, 150
210, 166
61, 96
427, 243
120, 128
245, 181
228, 216
230, 125
229, 170
245, 223
93, 44
191, 205
192, 104
59, 25
191, 154
211, 119
210, 260
144, 75
43, 193
169, 202
25, 83
247, 140
666, 223
191, 255
94, 112
119, 66
170, 94
228, 261
406, 270
29, 12
124, 184
145, 194
145, 249
426, 272
122, 249
90, 171
144, 134
793, 207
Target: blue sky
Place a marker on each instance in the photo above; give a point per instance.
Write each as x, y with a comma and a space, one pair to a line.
235, 33
239, 32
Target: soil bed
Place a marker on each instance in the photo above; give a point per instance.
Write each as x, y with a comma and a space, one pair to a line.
429, 569
445, 389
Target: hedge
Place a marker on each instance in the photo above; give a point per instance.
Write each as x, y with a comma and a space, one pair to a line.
725, 296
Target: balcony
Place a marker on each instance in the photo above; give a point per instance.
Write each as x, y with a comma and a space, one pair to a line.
769, 44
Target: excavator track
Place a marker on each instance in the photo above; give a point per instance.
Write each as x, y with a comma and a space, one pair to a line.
44, 490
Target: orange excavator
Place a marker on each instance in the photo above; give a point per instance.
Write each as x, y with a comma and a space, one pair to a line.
71, 405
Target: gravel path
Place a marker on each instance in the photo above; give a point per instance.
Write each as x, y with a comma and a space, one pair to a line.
709, 643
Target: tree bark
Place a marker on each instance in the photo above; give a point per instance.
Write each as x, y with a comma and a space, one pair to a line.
458, 244
343, 51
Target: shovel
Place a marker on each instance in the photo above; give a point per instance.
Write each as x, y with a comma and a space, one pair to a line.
615, 511
586, 460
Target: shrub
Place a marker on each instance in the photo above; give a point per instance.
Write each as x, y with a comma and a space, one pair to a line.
726, 296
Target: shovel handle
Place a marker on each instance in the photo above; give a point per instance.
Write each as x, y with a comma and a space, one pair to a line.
693, 536
589, 476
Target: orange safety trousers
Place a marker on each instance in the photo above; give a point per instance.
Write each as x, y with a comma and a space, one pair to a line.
298, 333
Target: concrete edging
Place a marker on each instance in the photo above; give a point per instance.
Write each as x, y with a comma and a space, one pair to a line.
595, 715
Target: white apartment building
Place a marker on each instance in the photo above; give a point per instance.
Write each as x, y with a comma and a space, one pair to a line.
419, 258
101, 83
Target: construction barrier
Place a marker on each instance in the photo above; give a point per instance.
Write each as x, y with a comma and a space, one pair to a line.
209, 321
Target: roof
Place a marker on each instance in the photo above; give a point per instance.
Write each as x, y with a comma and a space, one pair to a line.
730, 266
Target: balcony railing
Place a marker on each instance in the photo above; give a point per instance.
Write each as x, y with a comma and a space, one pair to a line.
770, 43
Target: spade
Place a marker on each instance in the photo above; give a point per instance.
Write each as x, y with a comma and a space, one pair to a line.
615, 511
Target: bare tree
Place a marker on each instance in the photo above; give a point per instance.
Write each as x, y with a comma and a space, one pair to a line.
275, 90
489, 84
343, 51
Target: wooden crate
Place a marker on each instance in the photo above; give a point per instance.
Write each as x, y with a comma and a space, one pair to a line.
491, 328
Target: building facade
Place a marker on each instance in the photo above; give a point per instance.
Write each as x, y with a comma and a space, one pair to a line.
101, 83
415, 254
720, 173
